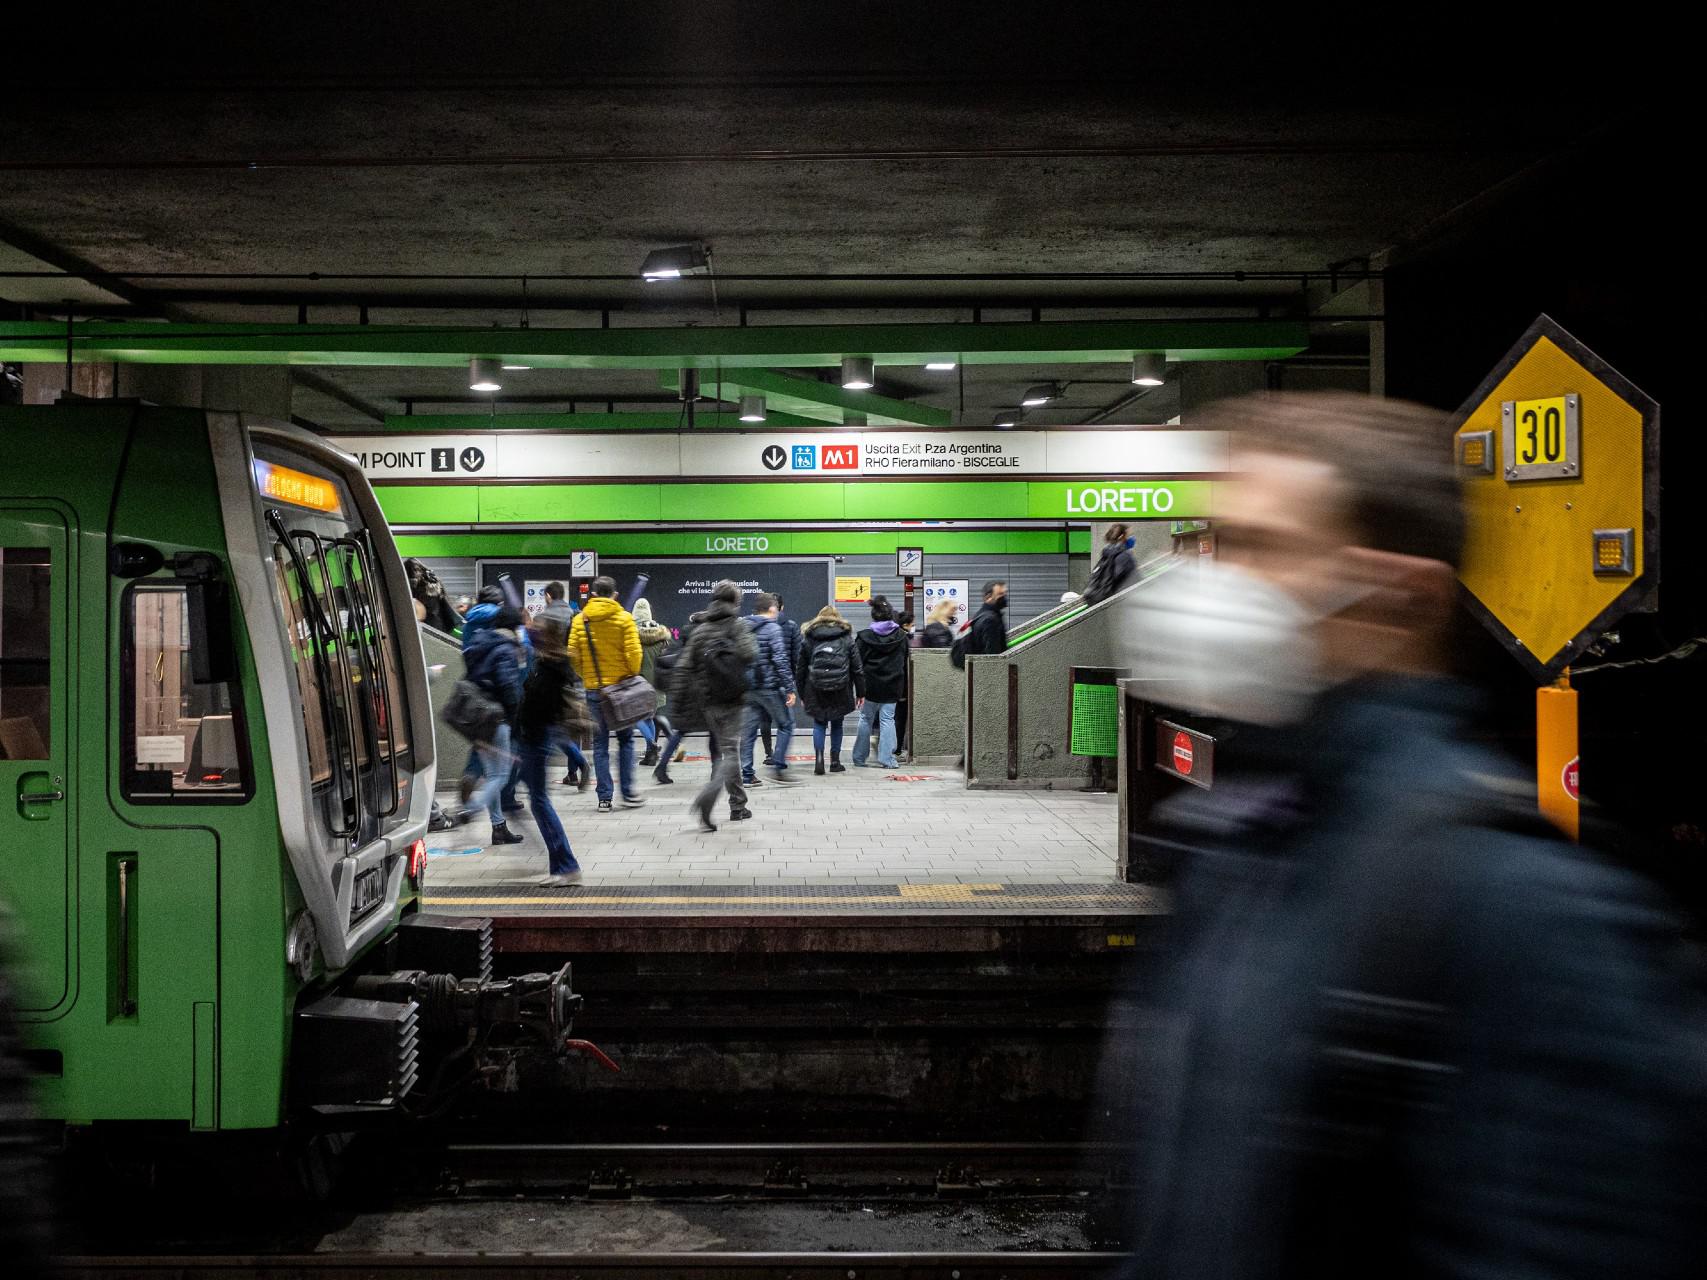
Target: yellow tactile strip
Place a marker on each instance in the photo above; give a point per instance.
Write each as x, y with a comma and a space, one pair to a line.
993, 898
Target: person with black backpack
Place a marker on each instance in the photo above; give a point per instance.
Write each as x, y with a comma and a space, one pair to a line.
883, 655
831, 681
710, 687
1115, 569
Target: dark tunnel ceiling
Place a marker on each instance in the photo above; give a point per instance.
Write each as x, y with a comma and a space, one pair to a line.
801, 141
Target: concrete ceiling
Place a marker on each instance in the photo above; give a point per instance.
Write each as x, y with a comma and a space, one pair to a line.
845, 158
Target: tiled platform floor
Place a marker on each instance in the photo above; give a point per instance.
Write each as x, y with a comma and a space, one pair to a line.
862, 827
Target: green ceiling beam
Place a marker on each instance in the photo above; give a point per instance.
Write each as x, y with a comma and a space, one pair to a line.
761, 347
703, 417
821, 401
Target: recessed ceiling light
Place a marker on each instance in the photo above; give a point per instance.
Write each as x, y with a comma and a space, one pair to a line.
1149, 369
518, 366
857, 373
752, 408
940, 366
483, 374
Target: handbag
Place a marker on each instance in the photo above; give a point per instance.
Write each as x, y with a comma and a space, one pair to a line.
625, 703
473, 712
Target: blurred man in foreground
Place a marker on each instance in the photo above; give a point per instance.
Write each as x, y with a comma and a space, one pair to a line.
1408, 1031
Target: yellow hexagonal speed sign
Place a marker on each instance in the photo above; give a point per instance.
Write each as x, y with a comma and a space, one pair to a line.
1559, 458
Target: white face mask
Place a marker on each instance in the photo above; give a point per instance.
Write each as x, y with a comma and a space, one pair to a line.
1226, 643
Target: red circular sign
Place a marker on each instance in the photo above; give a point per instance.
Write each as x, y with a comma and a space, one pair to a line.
1182, 752
1568, 777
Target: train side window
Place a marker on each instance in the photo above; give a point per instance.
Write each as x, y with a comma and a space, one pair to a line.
26, 722
180, 741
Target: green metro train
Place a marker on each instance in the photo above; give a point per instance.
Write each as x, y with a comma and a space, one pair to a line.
216, 769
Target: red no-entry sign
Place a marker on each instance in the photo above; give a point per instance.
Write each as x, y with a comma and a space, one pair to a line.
1185, 753
1182, 752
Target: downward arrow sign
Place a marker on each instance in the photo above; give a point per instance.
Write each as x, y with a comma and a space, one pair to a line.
773, 458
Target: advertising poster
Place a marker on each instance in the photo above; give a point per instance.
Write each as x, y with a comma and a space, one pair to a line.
853, 590
939, 589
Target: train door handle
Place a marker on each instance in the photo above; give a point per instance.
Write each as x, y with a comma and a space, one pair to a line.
35, 790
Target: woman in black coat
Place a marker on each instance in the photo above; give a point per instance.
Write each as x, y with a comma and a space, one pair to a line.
830, 680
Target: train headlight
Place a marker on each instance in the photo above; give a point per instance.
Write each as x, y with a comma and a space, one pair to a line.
299, 945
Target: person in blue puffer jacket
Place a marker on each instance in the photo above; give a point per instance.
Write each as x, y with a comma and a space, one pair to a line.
494, 659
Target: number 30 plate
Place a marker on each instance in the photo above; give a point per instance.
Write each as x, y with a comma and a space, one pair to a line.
1540, 438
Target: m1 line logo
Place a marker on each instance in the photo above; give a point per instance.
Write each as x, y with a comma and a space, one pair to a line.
839, 457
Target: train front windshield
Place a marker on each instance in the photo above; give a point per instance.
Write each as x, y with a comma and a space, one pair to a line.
343, 643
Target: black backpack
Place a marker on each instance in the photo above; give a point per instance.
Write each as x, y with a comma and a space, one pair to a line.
1101, 585
827, 668
724, 671
957, 654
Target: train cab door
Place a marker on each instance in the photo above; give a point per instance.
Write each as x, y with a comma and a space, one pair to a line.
35, 733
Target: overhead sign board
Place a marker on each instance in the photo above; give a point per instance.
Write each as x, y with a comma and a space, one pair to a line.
1559, 459
782, 455
909, 562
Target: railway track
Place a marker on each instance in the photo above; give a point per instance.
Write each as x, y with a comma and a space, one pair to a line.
633, 1266
947, 1170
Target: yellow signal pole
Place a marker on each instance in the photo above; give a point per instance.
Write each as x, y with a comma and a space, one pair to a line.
1556, 753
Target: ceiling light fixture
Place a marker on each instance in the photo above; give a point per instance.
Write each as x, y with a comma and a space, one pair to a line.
1149, 369
940, 366
1042, 393
857, 373
752, 408
673, 264
483, 374
688, 387
518, 366
1009, 417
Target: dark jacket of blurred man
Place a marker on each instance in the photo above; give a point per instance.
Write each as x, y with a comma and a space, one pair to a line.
1408, 1030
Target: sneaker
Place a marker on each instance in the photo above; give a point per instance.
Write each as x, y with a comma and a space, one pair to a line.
751, 782
633, 802
704, 816
787, 780
740, 815
561, 878
568, 780
604, 806
501, 834
661, 776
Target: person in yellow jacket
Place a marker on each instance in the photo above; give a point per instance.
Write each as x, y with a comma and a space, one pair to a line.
609, 654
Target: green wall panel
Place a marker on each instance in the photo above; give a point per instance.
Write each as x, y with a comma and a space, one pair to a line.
804, 543
797, 500
937, 500
1079, 542
428, 504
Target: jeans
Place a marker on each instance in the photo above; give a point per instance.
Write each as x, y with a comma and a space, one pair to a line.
881, 716
835, 729
495, 762
533, 755
601, 750
769, 706
726, 725
477, 767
